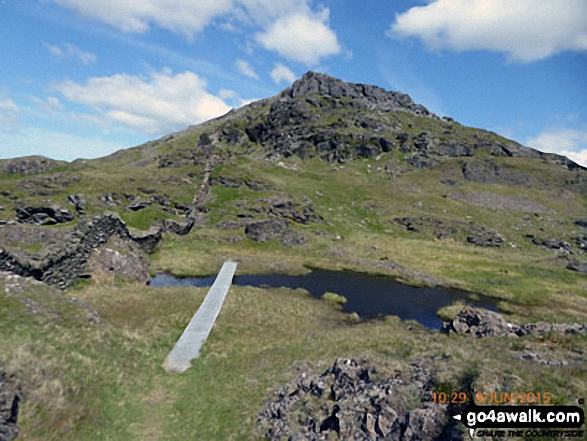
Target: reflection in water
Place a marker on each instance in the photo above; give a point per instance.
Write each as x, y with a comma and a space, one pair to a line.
369, 296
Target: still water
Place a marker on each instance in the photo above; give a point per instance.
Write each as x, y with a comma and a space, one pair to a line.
370, 296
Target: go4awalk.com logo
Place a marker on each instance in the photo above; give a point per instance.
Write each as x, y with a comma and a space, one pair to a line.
523, 421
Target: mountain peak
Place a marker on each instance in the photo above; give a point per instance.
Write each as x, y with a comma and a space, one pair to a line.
372, 97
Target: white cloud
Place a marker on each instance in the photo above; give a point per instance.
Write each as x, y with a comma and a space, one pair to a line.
9, 121
246, 69
282, 73
571, 143
69, 50
301, 37
290, 27
159, 104
526, 30
187, 17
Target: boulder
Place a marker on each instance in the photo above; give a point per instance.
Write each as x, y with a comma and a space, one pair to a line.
484, 323
575, 265
481, 323
79, 202
120, 257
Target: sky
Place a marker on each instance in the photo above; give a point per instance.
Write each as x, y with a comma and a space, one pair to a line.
84, 78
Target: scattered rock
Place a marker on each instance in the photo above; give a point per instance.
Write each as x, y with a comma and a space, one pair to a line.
112, 199
359, 402
552, 244
551, 360
487, 239
234, 182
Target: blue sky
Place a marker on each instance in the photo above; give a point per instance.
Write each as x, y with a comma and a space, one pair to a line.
84, 78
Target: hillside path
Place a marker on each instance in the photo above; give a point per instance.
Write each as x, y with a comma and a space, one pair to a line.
195, 334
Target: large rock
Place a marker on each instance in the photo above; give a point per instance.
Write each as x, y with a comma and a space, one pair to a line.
575, 265
262, 231
120, 257
79, 202
481, 323
484, 323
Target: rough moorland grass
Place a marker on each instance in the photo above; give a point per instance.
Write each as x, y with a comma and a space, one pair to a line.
106, 381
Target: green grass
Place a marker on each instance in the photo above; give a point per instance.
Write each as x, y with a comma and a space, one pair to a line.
115, 387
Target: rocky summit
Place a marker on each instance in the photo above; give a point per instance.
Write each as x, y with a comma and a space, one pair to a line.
328, 175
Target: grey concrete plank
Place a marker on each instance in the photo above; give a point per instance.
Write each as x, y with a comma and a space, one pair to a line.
195, 334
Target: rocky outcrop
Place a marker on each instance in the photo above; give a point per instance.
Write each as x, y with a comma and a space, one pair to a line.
359, 402
235, 182
551, 244
67, 263
9, 407
262, 231
489, 171
43, 215
281, 208
369, 97
28, 165
476, 234
484, 323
